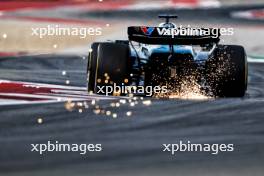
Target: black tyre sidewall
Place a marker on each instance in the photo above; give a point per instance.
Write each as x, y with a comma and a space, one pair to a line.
113, 60
232, 80
91, 66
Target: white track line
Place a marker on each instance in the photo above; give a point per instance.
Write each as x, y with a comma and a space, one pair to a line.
172, 4
209, 3
4, 102
249, 14
255, 60
56, 93
43, 85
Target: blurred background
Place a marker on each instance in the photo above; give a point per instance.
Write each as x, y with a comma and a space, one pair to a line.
18, 17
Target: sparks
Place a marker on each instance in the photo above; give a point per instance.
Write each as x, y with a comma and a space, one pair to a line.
40, 120
128, 113
68, 82
114, 115
64, 73
147, 102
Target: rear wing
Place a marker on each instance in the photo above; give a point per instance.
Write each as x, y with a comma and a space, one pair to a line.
173, 36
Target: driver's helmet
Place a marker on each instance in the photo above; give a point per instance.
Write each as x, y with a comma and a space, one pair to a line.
167, 25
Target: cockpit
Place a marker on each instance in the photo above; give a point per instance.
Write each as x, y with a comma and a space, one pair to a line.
167, 25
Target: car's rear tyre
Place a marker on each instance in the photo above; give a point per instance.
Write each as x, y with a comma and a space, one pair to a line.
227, 71
111, 66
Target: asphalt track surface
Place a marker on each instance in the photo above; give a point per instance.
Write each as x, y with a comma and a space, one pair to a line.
131, 145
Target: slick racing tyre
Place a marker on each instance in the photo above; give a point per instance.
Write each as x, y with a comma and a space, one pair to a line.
227, 71
109, 66
91, 66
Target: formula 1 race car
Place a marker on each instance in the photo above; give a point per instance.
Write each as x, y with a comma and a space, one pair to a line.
168, 55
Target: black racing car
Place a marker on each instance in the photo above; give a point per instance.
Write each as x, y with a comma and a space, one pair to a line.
162, 56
